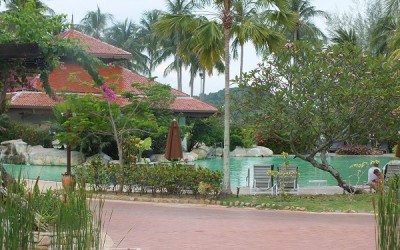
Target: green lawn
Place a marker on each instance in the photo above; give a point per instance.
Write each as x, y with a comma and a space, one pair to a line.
314, 203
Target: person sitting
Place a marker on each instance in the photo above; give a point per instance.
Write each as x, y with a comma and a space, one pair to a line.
375, 178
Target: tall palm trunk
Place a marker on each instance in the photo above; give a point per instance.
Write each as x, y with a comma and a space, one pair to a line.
241, 62
227, 21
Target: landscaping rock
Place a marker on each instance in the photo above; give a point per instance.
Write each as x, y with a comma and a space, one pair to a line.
259, 151
37, 155
239, 152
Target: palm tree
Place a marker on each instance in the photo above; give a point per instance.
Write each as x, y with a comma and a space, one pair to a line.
208, 53
343, 37
125, 35
16, 4
305, 29
94, 23
249, 26
157, 49
179, 7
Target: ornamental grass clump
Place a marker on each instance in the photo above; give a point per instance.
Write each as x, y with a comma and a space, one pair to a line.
387, 215
68, 220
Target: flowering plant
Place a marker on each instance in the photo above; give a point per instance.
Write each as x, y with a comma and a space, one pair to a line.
204, 188
375, 162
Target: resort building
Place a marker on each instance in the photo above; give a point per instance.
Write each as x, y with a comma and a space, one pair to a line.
34, 106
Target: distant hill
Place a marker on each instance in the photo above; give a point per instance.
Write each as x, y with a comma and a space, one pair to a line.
217, 98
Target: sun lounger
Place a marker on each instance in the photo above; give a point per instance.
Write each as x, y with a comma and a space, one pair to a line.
262, 181
287, 179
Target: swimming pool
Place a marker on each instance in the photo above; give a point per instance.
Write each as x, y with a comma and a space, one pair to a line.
239, 168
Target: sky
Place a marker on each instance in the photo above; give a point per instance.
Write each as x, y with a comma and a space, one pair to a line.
133, 10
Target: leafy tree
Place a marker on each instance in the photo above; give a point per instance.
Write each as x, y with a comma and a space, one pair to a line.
333, 94
97, 121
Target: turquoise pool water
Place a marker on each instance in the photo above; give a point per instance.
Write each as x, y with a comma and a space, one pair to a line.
239, 168
241, 165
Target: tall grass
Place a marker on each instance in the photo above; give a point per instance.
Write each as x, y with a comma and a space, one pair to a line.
73, 219
387, 216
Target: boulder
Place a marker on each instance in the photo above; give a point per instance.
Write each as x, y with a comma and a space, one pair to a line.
158, 158
239, 152
219, 152
259, 151
37, 155
190, 156
14, 151
201, 152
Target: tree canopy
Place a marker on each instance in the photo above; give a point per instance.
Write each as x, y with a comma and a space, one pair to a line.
332, 94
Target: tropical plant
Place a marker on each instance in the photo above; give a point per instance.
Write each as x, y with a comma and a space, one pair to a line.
156, 49
332, 94
344, 37
125, 35
305, 29
95, 23
387, 216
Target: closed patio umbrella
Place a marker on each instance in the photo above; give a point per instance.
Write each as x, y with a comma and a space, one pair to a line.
173, 150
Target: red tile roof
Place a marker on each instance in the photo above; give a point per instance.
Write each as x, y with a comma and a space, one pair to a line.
73, 78
27, 99
96, 47
31, 100
190, 104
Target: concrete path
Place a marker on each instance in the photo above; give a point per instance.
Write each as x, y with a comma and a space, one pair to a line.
176, 226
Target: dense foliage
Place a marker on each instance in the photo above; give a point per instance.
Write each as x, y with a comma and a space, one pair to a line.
310, 97
32, 135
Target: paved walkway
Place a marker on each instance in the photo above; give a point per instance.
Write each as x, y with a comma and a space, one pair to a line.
176, 226
146, 226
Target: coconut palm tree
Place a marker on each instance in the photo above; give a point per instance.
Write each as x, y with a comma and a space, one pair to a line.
176, 36
343, 36
249, 24
208, 54
125, 36
16, 4
305, 29
156, 49
94, 23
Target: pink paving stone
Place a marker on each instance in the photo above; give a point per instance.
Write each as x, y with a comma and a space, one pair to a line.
186, 226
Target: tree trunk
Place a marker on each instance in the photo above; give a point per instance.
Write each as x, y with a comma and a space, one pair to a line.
324, 166
241, 62
119, 144
227, 21
191, 84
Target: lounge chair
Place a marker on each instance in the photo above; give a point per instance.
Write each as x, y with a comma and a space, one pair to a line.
335, 146
262, 181
384, 147
287, 179
391, 169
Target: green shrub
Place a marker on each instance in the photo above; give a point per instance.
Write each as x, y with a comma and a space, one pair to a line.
28, 133
172, 179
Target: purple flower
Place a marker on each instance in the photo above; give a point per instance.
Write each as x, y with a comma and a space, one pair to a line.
108, 93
